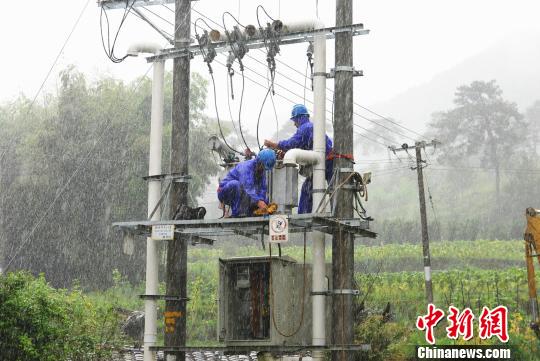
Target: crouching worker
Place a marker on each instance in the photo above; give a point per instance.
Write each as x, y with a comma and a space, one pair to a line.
244, 188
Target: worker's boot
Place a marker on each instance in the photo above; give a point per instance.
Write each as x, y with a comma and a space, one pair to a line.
184, 212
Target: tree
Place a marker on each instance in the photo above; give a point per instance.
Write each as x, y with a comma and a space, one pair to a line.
76, 168
483, 128
532, 116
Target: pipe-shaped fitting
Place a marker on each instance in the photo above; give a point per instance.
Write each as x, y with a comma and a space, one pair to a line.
144, 48
301, 157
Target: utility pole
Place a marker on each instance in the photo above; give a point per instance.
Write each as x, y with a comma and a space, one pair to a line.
176, 274
343, 242
420, 163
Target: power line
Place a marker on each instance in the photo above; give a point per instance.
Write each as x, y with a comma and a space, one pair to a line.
288, 90
329, 89
289, 100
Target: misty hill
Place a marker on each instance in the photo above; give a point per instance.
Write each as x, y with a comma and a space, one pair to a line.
513, 62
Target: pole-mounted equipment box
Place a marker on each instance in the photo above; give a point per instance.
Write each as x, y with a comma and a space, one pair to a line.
265, 301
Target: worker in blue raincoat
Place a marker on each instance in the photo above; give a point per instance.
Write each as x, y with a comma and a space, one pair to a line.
303, 139
244, 188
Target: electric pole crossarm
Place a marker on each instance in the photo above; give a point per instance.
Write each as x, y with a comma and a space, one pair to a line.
405, 147
257, 43
121, 4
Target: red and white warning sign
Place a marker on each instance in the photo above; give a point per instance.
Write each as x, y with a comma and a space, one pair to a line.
279, 229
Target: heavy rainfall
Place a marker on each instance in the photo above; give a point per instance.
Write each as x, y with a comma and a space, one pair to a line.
269, 180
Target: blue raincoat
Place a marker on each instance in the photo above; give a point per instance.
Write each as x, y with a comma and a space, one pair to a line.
241, 189
303, 139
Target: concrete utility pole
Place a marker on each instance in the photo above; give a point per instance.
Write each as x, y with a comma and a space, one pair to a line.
418, 146
343, 243
176, 275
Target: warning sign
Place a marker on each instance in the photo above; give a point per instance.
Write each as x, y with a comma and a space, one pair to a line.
163, 232
279, 229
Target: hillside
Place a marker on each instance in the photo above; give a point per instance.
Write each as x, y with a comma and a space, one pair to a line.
513, 62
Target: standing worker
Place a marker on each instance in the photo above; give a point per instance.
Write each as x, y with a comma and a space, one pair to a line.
303, 139
244, 188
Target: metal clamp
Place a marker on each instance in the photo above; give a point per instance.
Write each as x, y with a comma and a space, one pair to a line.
175, 177
336, 292
343, 68
164, 297
345, 292
346, 170
322, 190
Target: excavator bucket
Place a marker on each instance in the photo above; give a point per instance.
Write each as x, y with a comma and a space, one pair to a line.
532, 248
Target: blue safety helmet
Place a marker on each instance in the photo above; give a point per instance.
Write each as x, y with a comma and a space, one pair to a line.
297, 110
267, 157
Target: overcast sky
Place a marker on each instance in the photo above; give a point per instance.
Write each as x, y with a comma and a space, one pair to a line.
410, 42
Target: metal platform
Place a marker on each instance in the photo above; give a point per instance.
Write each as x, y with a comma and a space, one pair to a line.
246, 350
254, 228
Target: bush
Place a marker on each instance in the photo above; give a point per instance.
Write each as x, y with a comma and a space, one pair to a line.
38, 322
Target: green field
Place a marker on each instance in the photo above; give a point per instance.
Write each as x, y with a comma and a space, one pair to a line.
466, 274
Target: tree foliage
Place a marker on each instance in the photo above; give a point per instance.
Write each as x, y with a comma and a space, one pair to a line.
38, 322
73, 165
483, 128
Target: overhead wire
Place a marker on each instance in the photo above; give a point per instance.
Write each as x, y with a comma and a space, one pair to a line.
329, 89
300, 84
293, 102
238, 57
109, 49
363, 128
208, 61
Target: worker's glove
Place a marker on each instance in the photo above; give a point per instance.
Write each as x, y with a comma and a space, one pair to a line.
270, 144
270, 209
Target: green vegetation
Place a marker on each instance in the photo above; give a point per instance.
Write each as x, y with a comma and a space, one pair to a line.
474, 286
72, 166
38, 322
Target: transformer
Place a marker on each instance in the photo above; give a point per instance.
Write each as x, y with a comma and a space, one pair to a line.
265, 301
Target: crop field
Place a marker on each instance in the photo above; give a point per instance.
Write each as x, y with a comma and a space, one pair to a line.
466, 274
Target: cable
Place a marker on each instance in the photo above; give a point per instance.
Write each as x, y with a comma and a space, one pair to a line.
329, 89
239, 58
157, 15
257, 13
232, 16
109, 50
292, 102
272, 293
359, 115
229, 106
217, 116
270, 85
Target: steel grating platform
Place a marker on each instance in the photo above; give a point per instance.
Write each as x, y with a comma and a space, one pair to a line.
248, 350
209, 230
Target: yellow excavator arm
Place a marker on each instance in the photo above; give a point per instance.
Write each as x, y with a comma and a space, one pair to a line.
532, 250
